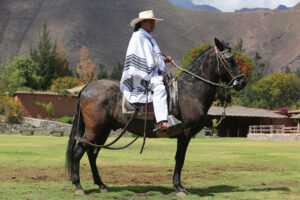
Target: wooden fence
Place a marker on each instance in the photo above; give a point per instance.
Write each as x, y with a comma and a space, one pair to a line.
273, 129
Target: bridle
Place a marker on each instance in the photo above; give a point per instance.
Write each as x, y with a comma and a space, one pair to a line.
221, 58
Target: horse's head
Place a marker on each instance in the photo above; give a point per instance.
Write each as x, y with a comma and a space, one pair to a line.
228, 69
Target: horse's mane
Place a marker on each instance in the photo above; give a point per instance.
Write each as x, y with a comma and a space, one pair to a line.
192, 67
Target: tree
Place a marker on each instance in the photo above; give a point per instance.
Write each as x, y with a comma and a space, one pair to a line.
244, 62
45, 57
85, 68
190, 55
287, 69
259, 66
102, 74
62, 62
4, 81
52, 64
278, 90
22, 72
117, 72
297, 72
239, 46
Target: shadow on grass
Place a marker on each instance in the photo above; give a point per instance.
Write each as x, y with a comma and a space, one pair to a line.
209, 191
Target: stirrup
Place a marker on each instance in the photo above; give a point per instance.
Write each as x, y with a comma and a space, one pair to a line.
161, 126
172, 123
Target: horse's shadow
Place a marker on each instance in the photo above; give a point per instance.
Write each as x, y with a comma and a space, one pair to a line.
209, 191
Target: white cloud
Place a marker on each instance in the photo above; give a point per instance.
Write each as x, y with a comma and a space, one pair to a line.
232, 5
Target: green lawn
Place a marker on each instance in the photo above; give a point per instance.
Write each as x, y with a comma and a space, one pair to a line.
32, 167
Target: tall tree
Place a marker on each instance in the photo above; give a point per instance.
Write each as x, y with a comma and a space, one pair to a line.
116, 74
45, 57
102, 74
297, 72
51, 65
62, 62
259, 65
239, 46
85, 68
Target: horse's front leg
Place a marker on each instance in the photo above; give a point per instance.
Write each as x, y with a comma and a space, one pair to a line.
182, 144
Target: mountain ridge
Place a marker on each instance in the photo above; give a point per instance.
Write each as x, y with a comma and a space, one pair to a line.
103, 27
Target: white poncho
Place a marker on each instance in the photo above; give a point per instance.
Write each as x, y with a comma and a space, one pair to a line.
141, 64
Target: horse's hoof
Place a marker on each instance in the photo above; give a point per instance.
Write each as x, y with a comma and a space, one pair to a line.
79, 192
103, 190
180, 194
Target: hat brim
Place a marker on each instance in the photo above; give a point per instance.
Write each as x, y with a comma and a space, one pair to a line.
137, 20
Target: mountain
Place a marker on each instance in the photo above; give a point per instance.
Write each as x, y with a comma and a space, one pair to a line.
188, 4
103, 27
280, 7
206, 7
250, 9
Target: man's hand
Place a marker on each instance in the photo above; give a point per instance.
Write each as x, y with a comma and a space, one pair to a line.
167, 59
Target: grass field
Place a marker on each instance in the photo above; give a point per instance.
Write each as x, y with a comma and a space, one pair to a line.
32, 167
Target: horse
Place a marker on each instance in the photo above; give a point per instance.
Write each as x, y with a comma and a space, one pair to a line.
99, 110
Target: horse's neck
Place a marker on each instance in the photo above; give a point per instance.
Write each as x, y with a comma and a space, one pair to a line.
205, 68
201, 92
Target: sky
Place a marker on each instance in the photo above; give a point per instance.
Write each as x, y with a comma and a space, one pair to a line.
232, 5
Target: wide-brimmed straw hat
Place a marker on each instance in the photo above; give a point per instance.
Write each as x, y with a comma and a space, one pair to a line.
148, 14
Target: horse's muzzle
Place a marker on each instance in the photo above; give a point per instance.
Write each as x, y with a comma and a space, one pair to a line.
239, 84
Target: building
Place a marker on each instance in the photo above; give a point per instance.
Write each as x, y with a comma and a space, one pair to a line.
238, 119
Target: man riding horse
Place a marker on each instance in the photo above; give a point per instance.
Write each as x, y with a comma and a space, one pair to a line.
144, 68
99, 105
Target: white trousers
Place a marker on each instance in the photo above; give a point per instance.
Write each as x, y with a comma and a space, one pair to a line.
160, 104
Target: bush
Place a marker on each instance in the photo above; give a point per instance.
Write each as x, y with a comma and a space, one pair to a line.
48, 108
66, 119
11, 109
190, 55
65, 83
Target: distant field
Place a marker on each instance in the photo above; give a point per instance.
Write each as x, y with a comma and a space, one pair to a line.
32, 167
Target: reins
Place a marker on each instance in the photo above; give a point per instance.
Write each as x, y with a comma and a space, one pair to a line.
107, 146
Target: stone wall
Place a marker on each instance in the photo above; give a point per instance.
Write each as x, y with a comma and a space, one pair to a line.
37, 125
274, 137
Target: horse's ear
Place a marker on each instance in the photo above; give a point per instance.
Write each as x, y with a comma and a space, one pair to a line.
219, 45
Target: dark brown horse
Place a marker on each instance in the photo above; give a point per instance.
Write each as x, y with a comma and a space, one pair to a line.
99, 111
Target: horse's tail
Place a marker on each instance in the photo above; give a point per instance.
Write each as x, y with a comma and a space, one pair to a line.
77, 130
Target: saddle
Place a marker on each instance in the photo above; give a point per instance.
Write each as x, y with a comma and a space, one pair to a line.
172, 91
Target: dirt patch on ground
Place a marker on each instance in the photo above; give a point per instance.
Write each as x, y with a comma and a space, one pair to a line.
282, 184
120, 175
236, 168
117, 175
135, 196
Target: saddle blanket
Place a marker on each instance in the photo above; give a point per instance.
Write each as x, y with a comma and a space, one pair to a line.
128, 108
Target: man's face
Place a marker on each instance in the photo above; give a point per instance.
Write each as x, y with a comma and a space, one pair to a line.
148, 25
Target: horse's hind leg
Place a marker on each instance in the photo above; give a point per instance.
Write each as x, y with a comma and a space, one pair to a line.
92, 155
79, 150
